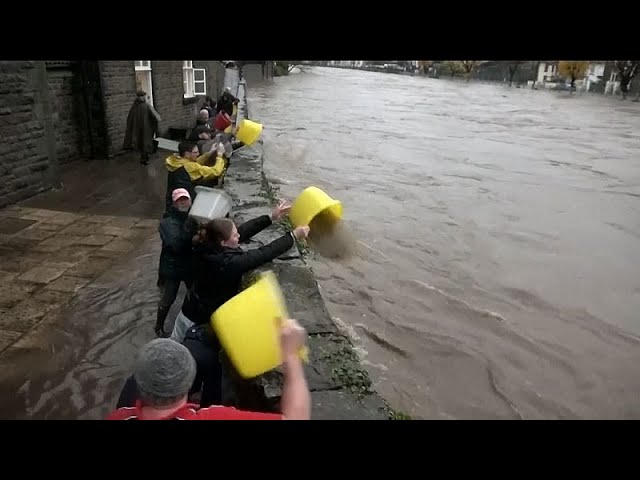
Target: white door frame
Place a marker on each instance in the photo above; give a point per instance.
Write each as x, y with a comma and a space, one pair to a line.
143, 71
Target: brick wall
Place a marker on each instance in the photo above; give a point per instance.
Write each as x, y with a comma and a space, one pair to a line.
24, 161
118, 90
68, 115
168, 95
220, 73
215, 78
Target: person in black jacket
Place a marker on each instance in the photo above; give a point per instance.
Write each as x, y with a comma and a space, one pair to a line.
226, 102
176, 231
219, 263
210, 106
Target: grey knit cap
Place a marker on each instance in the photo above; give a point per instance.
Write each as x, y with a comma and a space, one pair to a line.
164, 368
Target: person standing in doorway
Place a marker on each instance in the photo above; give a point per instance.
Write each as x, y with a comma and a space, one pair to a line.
142, 125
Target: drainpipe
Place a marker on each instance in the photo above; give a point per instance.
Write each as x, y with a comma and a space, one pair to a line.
49, 127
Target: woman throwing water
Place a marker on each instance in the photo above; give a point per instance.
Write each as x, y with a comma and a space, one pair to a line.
220, 263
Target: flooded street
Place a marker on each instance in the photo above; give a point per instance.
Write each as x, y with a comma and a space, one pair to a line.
497, 272
72, 363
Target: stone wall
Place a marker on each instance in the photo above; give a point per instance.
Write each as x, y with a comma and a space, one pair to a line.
168, 96
215, 78
68, 114
118, 80
19, 177
24, 162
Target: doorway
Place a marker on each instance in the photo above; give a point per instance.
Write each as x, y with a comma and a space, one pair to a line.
143, 78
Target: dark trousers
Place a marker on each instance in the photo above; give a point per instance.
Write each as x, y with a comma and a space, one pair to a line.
220, 383
129, 393
205, 350
239, 392
170, 288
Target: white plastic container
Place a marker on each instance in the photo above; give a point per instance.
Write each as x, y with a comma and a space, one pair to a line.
210, 203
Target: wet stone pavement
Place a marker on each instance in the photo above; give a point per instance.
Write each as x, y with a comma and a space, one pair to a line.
51, 255
59, 257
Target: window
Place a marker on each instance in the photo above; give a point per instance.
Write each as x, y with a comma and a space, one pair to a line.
143, 78
200, 81
194, 80
187, 79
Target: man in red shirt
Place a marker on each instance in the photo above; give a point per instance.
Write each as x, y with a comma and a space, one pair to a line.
164, 372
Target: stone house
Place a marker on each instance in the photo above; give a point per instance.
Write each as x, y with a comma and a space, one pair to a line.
53, 113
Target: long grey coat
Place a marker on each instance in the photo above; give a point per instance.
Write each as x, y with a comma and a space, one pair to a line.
142, 124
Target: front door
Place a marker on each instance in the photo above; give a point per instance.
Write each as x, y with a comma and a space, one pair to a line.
93, 108
143, 78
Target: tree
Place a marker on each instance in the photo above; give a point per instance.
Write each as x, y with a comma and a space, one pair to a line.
424, 65
513, 68
454, 67
281, 68
627, 69
467, 67
573, 71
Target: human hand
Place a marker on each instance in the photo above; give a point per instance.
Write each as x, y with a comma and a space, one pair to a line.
220, 151
293, 338
301, 233
281, 210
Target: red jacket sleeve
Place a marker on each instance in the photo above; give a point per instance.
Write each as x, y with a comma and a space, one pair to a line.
230, 413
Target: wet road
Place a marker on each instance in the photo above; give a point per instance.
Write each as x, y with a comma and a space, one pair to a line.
91, 344
75, 363
499, 237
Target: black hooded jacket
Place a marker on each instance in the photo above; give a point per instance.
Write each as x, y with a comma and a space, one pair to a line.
218, 271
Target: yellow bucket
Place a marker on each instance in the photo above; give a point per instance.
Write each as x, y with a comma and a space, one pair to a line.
248, 327
311, 202
248, 131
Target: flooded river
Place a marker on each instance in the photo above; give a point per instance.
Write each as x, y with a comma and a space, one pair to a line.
497, 273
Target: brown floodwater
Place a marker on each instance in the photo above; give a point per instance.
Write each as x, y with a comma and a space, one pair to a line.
496, 273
